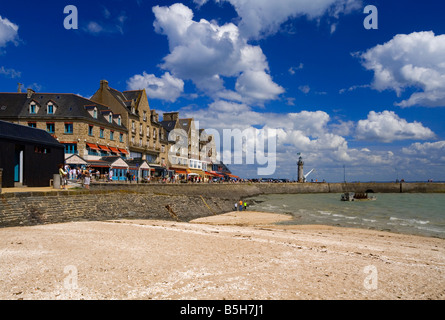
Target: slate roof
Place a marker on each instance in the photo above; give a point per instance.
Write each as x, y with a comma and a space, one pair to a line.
68, 107
168, 125
132, 95
16, 132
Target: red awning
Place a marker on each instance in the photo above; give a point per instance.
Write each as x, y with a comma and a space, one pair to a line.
123, 151
180, 171
115, 150
216, 174
233, 176
93, 146
104, 148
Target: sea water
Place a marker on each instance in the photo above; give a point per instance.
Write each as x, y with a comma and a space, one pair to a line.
418, 214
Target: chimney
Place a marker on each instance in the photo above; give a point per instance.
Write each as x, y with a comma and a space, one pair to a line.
104, 84
171, 116
155, 115
19, 89
30, 92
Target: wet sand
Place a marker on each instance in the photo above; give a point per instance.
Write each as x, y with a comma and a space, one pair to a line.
239, 255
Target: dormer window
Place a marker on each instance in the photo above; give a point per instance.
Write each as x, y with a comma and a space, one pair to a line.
33, 108
95, 113
110, 118
50, 108
119, 121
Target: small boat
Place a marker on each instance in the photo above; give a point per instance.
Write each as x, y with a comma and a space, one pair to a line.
352, 196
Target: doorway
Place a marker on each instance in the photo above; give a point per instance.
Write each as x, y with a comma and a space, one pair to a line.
18, 165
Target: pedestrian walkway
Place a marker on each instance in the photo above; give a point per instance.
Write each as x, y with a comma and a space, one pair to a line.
70, 185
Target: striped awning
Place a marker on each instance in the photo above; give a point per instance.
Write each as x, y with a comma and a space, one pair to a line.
216, 174
123, 151
104, 148
115, 150
93, 146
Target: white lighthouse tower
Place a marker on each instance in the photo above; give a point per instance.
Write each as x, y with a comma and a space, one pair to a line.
300, 164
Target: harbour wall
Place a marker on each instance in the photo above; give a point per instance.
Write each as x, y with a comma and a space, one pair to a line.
177, 202
237, 191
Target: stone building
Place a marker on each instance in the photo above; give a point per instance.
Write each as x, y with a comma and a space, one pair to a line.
146, 138
192, 150
207, 149
87, 128
178, 142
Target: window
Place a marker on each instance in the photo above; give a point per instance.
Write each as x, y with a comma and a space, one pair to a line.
110, 118
68, 128
119, 120
50, 127
50, 109
141, 132
145, 115
111, 135
95, 113
71, 148
32, 124
90, 130
92, 152
101, 133
44, 150
33, 108
121, 137
148, 132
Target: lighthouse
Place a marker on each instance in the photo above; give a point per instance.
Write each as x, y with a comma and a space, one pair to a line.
300, 170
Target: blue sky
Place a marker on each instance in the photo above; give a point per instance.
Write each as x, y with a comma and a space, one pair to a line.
339, 94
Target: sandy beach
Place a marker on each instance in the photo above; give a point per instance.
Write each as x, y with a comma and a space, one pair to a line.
239, 255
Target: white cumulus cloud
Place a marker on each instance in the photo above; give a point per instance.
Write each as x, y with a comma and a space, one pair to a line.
205, 53
415, 60
166, 87
387, 127
8, 32
260, 18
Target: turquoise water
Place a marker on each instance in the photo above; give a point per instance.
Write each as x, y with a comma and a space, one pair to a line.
419, 214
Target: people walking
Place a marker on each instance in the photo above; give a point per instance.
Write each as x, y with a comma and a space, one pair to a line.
240, 205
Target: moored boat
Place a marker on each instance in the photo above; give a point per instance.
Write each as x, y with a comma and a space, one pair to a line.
352, 196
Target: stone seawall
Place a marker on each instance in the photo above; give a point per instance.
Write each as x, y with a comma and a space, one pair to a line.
34, 208
237, 191
168, 202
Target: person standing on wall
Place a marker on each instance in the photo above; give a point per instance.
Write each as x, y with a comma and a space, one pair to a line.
87, 180
62, 174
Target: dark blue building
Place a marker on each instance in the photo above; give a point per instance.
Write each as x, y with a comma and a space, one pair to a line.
28, 156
